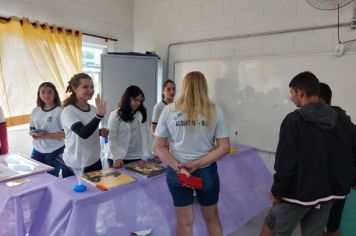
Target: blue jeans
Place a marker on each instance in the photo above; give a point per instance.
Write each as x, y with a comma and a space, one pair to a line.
53, 159
207, 196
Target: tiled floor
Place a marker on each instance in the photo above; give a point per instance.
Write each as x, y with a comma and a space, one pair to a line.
20, 141
253, 227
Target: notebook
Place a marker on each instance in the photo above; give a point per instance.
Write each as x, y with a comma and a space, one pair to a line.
108, 178
145, 168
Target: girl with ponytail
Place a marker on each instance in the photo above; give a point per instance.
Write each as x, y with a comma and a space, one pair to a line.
80, 122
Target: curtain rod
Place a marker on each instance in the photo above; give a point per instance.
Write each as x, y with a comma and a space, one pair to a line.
67, 30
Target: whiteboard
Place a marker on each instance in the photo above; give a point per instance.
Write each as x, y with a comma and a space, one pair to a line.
120, 71
254, 93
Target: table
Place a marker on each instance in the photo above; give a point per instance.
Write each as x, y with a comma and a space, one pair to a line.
19, 204
147, 203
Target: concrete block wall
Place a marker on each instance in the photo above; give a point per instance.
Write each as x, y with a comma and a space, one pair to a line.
111, 18
158, 23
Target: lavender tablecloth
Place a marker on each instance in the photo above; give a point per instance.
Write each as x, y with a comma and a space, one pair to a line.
19, 204
245, 182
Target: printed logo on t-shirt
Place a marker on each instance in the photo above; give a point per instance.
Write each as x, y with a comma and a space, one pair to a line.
190, 122
49, 119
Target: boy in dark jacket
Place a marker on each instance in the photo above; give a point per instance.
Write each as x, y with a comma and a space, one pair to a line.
333, 224
314, 162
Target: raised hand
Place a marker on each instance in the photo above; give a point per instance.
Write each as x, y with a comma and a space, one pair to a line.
100, 106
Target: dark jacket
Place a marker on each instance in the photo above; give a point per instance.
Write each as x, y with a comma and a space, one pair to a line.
314, 159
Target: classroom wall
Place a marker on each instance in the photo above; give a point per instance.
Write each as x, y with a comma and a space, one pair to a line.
157, 23
111, 18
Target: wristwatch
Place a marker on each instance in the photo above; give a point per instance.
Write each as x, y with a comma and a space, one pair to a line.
179, 167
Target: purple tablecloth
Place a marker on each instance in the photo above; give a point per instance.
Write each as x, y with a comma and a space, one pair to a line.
19, 204
147, 203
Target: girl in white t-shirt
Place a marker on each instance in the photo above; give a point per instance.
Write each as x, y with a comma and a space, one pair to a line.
168, 93
129, 133
80, 122
193, 124
46, 129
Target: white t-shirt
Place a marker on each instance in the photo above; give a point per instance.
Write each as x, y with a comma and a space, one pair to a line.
135, 148
157, 110
2, 116
188, 142
79, 152
47, 120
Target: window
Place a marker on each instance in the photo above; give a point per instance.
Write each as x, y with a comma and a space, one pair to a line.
91, 64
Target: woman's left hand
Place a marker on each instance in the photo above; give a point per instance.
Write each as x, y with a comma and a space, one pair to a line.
191, 166
104, 132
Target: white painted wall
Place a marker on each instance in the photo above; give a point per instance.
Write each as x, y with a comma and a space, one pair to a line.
158, 23
111, 18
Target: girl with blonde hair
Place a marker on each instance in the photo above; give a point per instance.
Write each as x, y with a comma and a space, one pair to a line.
193, 123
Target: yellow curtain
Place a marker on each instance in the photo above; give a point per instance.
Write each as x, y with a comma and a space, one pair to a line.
31, 55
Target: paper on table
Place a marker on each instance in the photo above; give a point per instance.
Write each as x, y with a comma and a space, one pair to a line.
17, 182
147, 232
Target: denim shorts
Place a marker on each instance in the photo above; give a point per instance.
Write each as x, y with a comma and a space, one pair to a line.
207, 196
